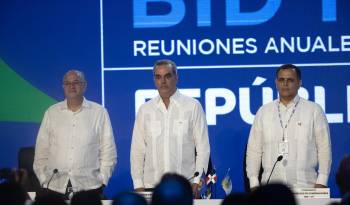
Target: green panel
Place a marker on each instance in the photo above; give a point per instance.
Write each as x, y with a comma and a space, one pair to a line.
20, 101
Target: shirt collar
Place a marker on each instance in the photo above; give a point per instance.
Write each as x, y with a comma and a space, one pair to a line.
64, 106
173, 99
292, 102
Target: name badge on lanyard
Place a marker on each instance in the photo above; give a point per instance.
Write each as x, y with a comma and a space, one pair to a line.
283, 148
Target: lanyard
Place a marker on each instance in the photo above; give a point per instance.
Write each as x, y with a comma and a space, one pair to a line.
290, 117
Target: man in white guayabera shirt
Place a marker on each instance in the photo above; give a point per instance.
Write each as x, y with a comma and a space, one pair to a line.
170, 134
75, 148
291, 132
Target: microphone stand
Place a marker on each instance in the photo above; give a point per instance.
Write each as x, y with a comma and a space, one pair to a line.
279, 158
54, 172
44, 191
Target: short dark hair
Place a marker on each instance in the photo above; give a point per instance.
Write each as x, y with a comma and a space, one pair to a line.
343, 175
165, 62
272, 194
12, 192
173, 189
129, 198
291, 67
86, 198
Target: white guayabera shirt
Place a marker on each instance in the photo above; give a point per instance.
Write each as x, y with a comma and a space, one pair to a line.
165, 140
80, 145
308, 139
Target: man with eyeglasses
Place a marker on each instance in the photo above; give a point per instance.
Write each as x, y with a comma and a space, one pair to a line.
289, 138
75, 148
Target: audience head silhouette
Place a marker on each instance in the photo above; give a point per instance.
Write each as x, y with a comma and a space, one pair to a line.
49, 198
236, 199
343, 179
173, 189
272, 194
12, 192
86, 198
343, 175
129, 198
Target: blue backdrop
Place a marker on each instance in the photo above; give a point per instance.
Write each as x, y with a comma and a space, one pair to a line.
227, 53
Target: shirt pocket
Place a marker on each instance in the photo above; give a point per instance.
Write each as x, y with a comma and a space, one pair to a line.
181, 127
154, 129
306, 145
90, 134
303, 131
271, 132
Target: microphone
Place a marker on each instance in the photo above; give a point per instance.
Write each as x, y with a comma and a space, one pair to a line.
54, 172
44, 191
279, 158
196, 174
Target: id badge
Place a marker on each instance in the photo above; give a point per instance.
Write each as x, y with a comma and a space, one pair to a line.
283, 148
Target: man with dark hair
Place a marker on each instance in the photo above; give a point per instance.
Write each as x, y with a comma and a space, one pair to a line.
129, 198
173, 189
290, 66
343, 175
236, 199
293, 130
86, 198
343, 179
11, 192
49, 199
75, 148
170, 133
272, 194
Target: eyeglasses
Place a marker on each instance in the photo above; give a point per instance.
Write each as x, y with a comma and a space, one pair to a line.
74, 83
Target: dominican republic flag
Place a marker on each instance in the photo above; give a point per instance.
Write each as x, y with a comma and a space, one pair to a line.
211, 177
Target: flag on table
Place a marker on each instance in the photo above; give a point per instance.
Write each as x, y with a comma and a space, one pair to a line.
207, 193
226, 183
211, 177
202, 188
